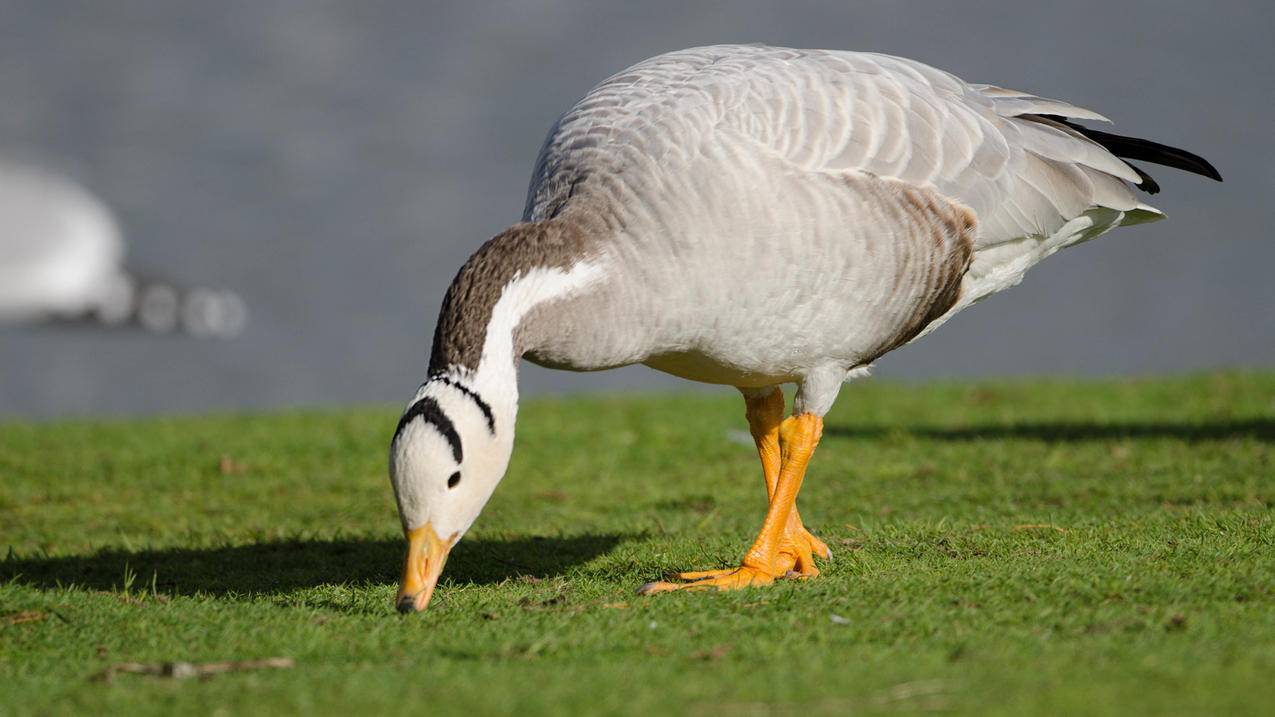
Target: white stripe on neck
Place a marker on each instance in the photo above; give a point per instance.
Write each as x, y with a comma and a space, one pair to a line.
522, 294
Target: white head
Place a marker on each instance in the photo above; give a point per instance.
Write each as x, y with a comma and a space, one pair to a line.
452, 445
449, 452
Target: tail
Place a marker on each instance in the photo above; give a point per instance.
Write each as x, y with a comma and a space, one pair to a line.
1144, 150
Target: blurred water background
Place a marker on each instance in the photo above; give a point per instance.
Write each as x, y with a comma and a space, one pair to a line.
335, 162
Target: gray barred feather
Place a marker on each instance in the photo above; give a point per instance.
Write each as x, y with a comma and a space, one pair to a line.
718, 159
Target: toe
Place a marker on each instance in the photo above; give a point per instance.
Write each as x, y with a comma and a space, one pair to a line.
658, 587
818, 547
732, 579
802, 572
701, 574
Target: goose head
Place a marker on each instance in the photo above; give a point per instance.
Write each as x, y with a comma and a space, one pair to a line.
446, 458
453, 443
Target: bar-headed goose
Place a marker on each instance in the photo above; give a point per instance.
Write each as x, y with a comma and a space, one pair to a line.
749, 216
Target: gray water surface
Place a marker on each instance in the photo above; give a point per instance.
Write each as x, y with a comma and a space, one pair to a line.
335, 162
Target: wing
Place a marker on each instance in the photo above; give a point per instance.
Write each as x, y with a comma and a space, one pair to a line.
1033, 180
994, 150
1015, 159
988, 148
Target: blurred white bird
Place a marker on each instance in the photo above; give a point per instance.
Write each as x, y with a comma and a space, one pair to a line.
61, 259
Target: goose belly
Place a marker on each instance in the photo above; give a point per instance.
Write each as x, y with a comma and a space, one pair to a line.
765, 286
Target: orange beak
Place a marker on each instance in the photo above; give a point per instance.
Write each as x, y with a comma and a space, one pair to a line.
426, 554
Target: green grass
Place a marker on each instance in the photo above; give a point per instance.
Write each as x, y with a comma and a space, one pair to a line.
1039, 547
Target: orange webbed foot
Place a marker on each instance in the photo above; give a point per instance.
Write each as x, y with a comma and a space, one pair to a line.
794, 560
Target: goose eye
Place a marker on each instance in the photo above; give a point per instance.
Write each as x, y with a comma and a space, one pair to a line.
454, 480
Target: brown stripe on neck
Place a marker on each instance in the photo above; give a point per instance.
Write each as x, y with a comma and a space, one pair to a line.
461, 331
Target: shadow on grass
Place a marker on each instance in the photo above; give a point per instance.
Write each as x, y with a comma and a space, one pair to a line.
279, 567
1261, 429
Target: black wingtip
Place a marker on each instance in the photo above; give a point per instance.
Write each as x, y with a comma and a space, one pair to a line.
1145, 182
1145, 150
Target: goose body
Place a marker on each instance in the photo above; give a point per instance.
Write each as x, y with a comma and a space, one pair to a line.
753, 216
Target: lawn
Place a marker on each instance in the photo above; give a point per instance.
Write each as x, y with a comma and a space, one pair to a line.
1041, 547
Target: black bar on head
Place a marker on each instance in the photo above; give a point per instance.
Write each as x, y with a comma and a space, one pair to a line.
478, 400
428, 410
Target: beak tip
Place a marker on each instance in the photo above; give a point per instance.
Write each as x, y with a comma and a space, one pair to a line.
406, 604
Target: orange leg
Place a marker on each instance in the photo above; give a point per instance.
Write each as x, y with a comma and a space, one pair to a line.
783, 547
765, 413
765, 420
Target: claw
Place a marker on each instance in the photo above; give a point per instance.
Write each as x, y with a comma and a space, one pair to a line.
654, 587
817, 546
